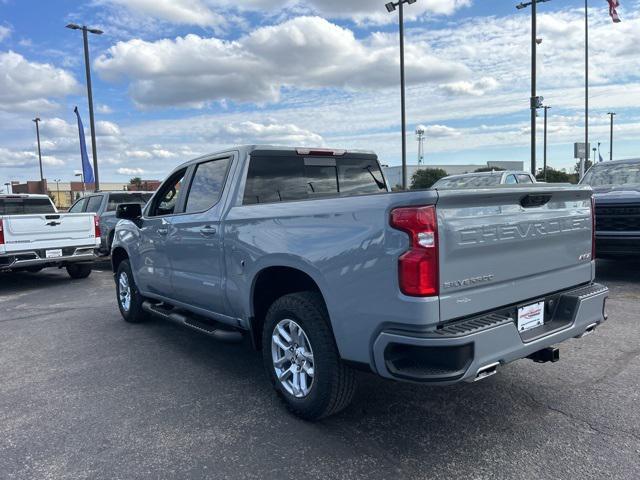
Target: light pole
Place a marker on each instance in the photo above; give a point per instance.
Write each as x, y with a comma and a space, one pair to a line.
420, 134
85, 31
58, 192
611, 114
8, 185
37, 122
536, 102
391, 7
546, 108
586, 83
81, 175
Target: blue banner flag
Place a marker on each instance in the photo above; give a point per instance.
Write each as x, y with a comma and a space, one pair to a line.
87, 171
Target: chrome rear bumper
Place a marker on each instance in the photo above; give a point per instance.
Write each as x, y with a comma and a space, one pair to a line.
37, 258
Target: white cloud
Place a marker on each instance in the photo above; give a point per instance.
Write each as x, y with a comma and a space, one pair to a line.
138, 154
104, 109
130, 171
5, 32
192, 71
29, 86
471, 87
273, 133
217, 13
189, 12
22, 159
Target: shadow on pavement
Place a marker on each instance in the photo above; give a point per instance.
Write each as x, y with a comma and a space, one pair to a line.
623, 270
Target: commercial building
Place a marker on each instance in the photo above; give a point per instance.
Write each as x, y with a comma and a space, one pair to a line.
394, 174
64, 194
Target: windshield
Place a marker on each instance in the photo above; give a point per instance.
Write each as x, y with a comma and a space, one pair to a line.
25, 206
472, 181
613, 175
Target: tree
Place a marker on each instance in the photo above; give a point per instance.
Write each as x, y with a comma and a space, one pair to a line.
426, 177
489, 169
555, 176
587, 166
135, 184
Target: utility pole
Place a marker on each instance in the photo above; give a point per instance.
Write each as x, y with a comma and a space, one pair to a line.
546, 108
536, 102
85, 37
611, 114
391, 7
37, 122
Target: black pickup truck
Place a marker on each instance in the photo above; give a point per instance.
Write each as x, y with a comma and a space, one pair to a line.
616, 187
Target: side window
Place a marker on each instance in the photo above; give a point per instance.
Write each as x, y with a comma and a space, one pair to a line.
78, 206
522, 178
275, 179
165, 201
207, 185
93, 204
511, 179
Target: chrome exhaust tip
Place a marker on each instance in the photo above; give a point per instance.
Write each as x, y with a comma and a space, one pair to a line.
487, 371
588, 331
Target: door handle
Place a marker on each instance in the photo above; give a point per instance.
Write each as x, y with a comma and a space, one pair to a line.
208, 231
163, 231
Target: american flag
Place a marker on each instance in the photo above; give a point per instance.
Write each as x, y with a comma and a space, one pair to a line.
613, 5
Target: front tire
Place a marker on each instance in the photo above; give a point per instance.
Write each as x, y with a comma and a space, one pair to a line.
302, 360
79, 270
129, 299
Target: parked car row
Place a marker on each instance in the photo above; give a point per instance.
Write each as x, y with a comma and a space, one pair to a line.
34, 235
307, 253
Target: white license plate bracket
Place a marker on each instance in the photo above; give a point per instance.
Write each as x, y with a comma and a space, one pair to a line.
530, 316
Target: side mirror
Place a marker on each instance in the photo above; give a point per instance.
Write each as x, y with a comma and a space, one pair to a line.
129, 211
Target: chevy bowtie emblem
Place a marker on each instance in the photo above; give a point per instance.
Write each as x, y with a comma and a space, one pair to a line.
53, 224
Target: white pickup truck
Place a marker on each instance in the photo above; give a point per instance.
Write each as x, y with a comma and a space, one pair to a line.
33, 236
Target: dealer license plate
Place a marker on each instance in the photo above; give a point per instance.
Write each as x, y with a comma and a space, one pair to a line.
54, 253
530, 316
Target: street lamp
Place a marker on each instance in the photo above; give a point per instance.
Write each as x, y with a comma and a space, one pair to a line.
81, 175
611, 114
391, 7
8, 185
536, 102
85, 31
37, 122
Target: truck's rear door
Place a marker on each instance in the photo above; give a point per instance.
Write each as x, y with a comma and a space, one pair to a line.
503, 245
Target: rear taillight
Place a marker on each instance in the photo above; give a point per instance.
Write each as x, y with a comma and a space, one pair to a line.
593, 229
1, 232
418, 267
96, 226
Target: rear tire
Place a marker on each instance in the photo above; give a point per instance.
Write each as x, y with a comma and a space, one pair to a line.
297, 341
129, 299
79, 270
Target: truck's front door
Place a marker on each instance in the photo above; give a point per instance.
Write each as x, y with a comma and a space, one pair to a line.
151, 265
195, 243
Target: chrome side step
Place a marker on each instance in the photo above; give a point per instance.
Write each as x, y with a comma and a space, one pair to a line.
208, 327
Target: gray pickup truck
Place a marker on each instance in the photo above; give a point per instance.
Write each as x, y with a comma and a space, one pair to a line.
308, 254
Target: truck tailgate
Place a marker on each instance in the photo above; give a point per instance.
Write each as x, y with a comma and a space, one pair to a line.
509, 244
39, 231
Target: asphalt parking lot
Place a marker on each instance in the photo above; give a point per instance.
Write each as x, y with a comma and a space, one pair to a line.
85, 395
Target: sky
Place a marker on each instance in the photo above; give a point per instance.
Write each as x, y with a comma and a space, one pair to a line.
175, 79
